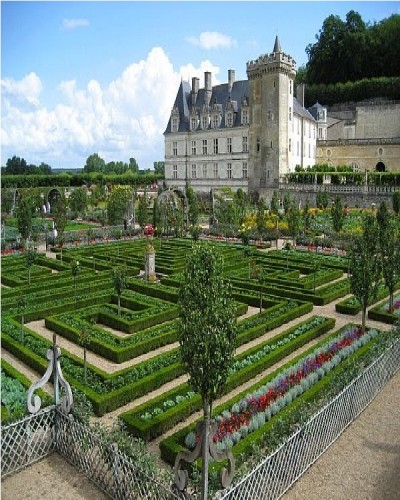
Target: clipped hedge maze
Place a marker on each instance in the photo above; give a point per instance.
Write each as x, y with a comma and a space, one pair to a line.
147, 325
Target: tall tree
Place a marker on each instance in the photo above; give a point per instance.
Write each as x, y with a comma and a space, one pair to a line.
207, 331
193, 202
30, 256
159, 167
60, 217
293, 220
142, 211
78, 201
337, 215
118, 204
389, 244
24, 218
94, 164
365, 265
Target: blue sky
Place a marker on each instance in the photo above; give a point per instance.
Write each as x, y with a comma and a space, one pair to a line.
100, 77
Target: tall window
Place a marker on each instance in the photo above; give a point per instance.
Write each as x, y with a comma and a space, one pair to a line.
215, 143
205, 170
245, 117
319, 133
174, 171
309, 150
258, 145
229, 120
193, 147
290, 144
204, 122
175, 148
174, 124
244, 171
290, 114
229, 170
215, 170
205, 147
193, 123
245, 144
229, 144
290, 86
309, 130
194, 171
215, 121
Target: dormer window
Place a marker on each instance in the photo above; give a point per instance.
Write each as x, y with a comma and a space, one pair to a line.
193, 123
215, 121
204, 122
175, 120
229, 119
245, 116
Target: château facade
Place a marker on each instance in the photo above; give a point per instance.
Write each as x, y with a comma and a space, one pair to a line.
241, 134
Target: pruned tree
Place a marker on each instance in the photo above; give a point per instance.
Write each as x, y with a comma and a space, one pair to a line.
142, 211
78, 201
24, 218
60, 218
30, 256
365, 265
84, 341
293, 220
337, 215
390, 252
21, 304
207, 331
120, 282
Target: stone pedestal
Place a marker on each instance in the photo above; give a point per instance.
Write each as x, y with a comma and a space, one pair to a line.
150, 264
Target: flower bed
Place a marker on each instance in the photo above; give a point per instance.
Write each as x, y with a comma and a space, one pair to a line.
157, 416
381, 311
242, 422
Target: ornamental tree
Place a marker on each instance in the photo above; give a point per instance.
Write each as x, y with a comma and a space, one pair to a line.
365, 265
207, 330
337, 215
24, 218
120, 282
390, 251
30, 256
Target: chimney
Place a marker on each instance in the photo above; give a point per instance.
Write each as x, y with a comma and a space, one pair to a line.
301, 90
195, 90
208, 88
231, 79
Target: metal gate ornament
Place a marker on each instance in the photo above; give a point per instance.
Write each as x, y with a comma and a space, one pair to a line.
53, 368
181, 476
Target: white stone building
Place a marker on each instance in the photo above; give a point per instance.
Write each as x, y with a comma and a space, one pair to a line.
241, 134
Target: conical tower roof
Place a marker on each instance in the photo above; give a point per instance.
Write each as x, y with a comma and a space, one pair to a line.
277, 46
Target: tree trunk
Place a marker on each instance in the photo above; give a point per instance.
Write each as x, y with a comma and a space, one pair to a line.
205, 457
364, 311
391, 302
22, 328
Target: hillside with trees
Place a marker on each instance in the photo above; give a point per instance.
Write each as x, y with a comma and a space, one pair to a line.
353, 60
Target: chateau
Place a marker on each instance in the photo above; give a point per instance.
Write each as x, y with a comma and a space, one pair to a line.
248, 134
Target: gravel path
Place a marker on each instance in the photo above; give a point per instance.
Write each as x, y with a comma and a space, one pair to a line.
364, 463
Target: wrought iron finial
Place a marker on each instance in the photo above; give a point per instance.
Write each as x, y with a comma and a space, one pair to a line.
53, 368
181, 476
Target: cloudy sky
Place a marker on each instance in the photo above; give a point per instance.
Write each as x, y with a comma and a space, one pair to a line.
101, 77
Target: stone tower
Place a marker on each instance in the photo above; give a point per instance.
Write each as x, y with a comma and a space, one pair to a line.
271, 84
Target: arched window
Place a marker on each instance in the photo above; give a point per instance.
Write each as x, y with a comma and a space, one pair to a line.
380, 167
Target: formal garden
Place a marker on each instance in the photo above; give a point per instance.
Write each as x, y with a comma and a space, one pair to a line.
294, 344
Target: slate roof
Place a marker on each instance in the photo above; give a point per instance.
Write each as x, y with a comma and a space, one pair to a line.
220, 95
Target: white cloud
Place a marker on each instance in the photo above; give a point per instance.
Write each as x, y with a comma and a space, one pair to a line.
124, 119
26, 90
212, 40
71, 24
